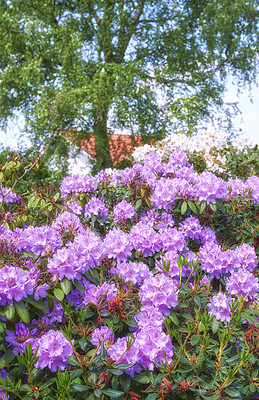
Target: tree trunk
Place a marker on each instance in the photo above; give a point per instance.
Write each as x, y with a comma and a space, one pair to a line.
103, 156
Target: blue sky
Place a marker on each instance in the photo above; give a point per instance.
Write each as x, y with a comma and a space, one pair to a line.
248, 120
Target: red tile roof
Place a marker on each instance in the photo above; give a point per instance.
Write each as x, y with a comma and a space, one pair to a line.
121, 146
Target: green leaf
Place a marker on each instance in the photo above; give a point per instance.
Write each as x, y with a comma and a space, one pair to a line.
59, 294
22, 312
37, 304
214, 325
138, 204
66, 285
234, 393
213, 207
113, 394
125, 381
174, 319
78, 285
9, 312
142, 378
184, 207
152, 396
73, 361
56, 197
202, 207
195, 340
77, 387
7, 358
193, 207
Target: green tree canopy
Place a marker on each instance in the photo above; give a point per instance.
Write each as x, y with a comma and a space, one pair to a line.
75, 65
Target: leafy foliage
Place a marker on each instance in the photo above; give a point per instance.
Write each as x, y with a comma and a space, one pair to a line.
94, 66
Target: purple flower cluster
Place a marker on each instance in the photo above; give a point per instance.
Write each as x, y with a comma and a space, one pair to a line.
172, 239
209, 187
167, 189
242, 283
133, 272
148, 344
103, 335
67, 222
161, 222
219, 306
39, 240
123, 211
16, 284
95, 207
145, 239
73, 261
8, 196
53, 351
217, 262
159, 291
94, 293
77, 184
117, 245
21, 338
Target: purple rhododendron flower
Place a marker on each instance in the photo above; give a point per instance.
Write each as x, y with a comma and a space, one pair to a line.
15, 284
53, 351
191, 228
118, 352
103, 335
40, 240
219, 306
153, 163
145, 239
215, 261
117, 245
77, 184
159, 291
94, 293
172, 239
81, 255
123, 211
243, 283
68, 222
21, 337
252, 184
161, 222
209, 187
153, 345
133, 272
95, 207
167, 189
75, 208
41, 291
8, 196
148, 316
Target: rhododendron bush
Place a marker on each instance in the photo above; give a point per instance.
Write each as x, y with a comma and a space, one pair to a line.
133, 284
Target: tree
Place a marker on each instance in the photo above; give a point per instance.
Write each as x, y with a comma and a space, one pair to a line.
84, 65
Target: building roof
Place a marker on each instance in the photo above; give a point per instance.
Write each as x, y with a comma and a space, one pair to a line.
121, 146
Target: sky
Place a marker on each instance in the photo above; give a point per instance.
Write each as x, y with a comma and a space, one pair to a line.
248, 120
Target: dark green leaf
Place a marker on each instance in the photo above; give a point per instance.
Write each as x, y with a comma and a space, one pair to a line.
78, 285
113, 394
7, 358
22, 312
78, 387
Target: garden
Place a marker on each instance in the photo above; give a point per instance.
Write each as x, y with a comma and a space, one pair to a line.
139, 283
